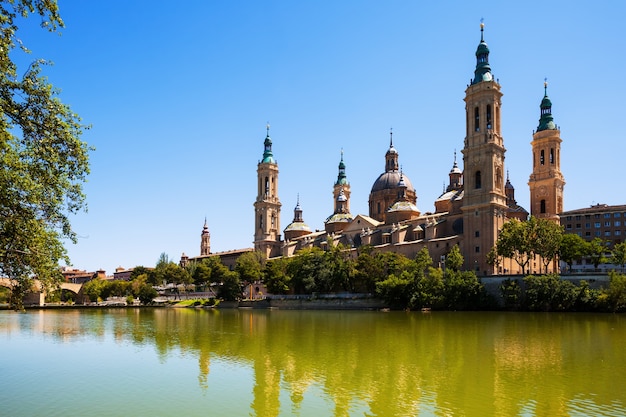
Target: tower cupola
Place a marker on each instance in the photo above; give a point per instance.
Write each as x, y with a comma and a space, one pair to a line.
268, 157
341, 176
546, 121
483, 70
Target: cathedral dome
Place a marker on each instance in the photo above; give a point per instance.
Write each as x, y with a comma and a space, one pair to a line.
390, 180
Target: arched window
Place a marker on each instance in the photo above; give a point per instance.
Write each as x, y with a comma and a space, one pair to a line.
542, 209
267, 187
551, 155
477, 180
488, 116
542, 158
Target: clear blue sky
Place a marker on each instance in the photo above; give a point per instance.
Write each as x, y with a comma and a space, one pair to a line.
178, 95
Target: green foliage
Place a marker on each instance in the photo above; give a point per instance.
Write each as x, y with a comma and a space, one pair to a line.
549, 293
616, 293
462, 290
167, 271
209, 271
275, 276
596, 250
43, 162
93, 289
572, 248
230, 288
511, 293
429, 290
618, 255
249, 266
396, 290
522, 240
146, 293
545, 239
454, 259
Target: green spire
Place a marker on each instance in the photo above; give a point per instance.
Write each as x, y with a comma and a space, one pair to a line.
268, 157
546, 121
483, 70
341, 177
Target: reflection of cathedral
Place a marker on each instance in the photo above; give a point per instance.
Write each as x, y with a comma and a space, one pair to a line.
470, 212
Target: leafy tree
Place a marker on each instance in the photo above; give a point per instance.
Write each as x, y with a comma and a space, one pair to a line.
249, 266
304, 269
43, 162
368, 270
462, 290
549, 293
618, 255
454, 259
596, 250
616, 293
429, 290
139, 270
513, 242
230, 287
572, 248
146, 293
275, 276
545, 239
210, 271
396, 290
93, 289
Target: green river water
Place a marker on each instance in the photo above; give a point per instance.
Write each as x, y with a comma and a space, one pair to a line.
192, 362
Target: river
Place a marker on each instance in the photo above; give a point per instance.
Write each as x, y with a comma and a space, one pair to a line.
195, 362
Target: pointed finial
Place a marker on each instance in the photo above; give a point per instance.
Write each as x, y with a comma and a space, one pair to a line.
545, 86
342, 154
507, 175
267, 126
391, 137
455, 156
482, 28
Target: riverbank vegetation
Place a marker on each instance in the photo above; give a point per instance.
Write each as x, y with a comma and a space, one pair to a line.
401, 282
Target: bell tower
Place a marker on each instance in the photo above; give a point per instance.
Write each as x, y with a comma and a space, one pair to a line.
205, 240
546, 181
267, 204
342, 185
484, 200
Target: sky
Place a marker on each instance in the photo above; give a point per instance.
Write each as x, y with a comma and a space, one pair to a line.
178, 96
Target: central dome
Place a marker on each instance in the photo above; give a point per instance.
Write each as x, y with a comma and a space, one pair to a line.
389, 180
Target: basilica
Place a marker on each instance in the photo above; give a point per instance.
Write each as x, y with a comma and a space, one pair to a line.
476, 203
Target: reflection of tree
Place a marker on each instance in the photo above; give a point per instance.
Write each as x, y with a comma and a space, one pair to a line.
395, 363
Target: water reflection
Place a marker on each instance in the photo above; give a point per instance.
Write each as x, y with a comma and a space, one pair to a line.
379, 364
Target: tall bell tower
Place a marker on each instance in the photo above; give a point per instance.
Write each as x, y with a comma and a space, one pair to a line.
484, 199
267, 205
546, 181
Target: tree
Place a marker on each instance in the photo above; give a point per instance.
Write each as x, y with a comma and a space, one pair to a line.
545, 239
275, 276
249, 266
595, 250
43, 162
230, 287
571, 248
454, 259
513, 242
618, 255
